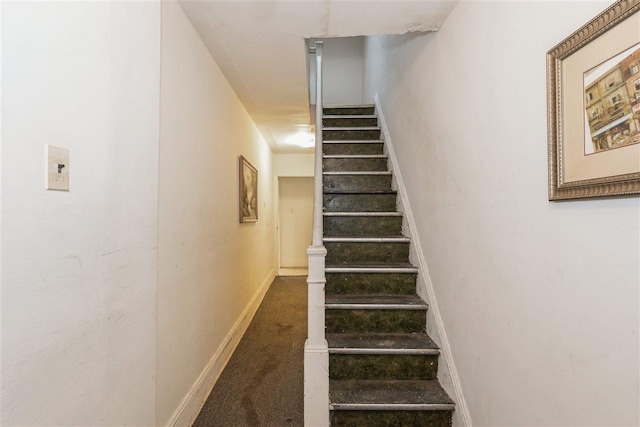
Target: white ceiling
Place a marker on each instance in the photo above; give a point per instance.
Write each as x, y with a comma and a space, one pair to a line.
260, 47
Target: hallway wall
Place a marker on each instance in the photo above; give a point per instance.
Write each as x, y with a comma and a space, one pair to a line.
539, 299
210, 266
118, 294
79, 267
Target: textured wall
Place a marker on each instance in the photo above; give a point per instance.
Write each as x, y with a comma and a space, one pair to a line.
539, 300
79, 268
96, 331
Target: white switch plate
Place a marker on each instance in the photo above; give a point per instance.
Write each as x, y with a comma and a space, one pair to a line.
57, 168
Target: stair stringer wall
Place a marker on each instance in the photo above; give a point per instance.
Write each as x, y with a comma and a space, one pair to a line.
447, 372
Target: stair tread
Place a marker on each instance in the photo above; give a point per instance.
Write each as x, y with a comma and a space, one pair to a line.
368, 238
352, 192
348, 105
356, 214
381, 392
331, 191
352, 128
339, 173
353, 141
375, 300
408, 341
399, 238
356, 156
369, 266
349, 116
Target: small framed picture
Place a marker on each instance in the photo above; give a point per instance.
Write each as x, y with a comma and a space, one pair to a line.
248, 191
593, 96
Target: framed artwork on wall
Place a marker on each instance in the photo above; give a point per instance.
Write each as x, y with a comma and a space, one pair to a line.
593, 107
248, 191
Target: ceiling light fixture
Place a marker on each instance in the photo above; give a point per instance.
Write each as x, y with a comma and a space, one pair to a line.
304, 139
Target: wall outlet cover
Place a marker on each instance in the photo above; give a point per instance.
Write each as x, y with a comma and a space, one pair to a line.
57, 168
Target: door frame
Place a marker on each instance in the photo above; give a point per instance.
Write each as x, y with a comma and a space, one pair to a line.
276, 187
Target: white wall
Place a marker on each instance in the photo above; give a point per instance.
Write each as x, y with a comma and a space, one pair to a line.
539, 299
295, 220
210, 266
293, 164
96, 331
342, 70
79, 268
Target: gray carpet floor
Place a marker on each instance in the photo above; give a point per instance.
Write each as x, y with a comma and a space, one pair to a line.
262, 385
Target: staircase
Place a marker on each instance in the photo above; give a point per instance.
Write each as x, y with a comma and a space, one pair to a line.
382, 363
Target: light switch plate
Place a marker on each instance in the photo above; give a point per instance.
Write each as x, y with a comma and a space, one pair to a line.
57, 168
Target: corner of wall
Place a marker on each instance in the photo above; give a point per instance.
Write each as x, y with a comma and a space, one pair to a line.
448, 373
189, 408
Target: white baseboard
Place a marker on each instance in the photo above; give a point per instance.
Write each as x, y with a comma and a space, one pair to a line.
192, 403
462, 410
293, 271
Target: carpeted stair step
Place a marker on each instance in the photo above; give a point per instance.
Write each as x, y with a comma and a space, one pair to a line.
375, 314
363, 224
382, 356
352, 147
354, 163
386, 283
360, 202
351, 133
398, 279
347, 120
356, 182
400, 267
366, 250
364, 109
389, 403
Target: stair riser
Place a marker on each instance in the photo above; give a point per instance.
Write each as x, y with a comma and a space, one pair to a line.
371, 283
375, 321
360, 202
354, 165
346, 148
359, 183
352, 134
351, 111
331, 122
382, 367
390, 418
370, 226
367, 252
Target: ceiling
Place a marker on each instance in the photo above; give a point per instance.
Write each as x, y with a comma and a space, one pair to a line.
260, 47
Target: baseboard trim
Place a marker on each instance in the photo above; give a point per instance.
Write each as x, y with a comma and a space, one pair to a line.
461, 404
192, 403
293, 271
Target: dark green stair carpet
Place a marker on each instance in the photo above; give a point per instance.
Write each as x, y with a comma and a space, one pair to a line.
382, 364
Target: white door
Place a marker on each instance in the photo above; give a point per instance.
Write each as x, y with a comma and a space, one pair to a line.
296, 221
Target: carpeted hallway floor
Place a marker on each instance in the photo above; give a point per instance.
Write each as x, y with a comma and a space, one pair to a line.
262, 385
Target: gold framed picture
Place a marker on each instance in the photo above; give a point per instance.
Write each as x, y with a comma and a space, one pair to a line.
593, 107
248, 191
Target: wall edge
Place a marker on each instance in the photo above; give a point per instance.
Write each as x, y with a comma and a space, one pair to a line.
423, 276
195, 399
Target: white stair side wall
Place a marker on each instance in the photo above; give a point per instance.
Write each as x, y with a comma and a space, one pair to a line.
447, 372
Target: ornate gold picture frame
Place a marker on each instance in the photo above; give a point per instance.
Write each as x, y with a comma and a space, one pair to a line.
593, 107
248, 191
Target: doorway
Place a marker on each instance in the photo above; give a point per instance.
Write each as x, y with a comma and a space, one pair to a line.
296, 224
